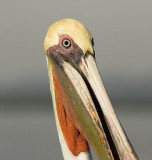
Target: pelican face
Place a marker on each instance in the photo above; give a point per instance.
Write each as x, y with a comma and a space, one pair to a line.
82, 108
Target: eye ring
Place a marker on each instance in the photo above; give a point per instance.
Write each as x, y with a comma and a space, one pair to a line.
66, 43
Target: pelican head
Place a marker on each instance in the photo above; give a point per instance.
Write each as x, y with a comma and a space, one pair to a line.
83, 111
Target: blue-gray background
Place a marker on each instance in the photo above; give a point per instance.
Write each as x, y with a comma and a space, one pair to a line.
122, 31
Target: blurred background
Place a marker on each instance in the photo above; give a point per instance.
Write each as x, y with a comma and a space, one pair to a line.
122, 31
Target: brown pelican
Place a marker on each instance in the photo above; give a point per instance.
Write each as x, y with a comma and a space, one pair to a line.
83, 112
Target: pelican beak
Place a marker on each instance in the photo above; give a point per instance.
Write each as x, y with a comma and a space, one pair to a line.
91, 111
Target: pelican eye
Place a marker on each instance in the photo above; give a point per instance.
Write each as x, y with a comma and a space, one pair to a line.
66, 43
